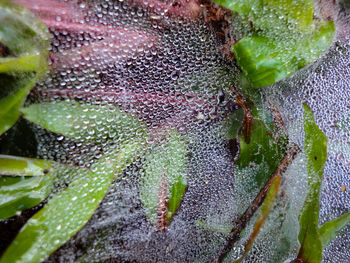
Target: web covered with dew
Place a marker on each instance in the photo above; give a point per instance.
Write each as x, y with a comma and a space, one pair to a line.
163, 65
166, 70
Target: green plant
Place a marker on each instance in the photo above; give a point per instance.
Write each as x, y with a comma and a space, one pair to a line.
265, 55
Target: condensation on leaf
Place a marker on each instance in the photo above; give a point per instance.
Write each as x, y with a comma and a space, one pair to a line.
324, 87
121, 71
163, 66
163, 182
23, 53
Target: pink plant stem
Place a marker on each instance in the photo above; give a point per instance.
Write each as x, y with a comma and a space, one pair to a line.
82, 27
75, 27
127, 97
162, 203
53, 9
188, 9
117, 44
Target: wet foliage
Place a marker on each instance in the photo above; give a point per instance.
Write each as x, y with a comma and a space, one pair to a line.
174, 131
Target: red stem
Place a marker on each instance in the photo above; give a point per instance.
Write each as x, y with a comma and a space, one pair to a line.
162, 203
120, 45
242, 222
52, 9
137, 97
187, 9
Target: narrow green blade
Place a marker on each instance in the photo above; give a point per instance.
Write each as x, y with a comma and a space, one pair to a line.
329, 230
316, 156
22, 166
68, 211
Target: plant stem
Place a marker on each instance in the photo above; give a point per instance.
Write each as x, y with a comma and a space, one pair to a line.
241, 223
162, 203
123, 96
248, 117
52, 9
187, 9
111, 50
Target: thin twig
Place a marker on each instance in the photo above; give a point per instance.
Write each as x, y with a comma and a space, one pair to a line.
248, 117
241, 223
162, 203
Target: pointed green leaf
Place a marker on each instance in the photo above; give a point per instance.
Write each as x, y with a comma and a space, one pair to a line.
21, 31
266, 60
262, 155
163, 183
329, 230
262, 216
83, 122
284, 38
22, 166
58, 221
316, 156
258, 58
11, 65
9, 105
9, 116
27, 38
21, 193
266, 14
176, 194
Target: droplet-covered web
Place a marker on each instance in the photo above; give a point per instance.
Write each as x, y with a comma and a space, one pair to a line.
324, 86
123, 69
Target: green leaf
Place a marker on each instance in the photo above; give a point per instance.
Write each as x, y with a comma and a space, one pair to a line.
9, 106
68, 211
285, 38
163, 183
266, 60
233, 124
263, 214
224, 229
22, 166
8, 116
316, 156
328, 231
258, 58
313, 43
83, 122
27, 38
21, 31
20, 193
266, 14
299, 12
176, 194
262, 155
29, 63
